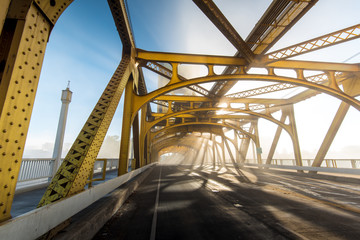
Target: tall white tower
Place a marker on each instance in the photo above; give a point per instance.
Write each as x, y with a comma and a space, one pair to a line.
65, 99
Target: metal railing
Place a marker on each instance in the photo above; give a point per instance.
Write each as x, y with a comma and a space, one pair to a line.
329, 163
35, 168
41, 168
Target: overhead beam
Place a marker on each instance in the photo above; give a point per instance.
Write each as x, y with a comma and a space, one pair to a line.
167, 73
118, 10
323, 41
224, 99
73, 173
280, 16
278, 19
189, 58
214, 14
311, 65
319, 78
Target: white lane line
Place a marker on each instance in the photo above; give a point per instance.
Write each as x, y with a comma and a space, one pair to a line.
154, 220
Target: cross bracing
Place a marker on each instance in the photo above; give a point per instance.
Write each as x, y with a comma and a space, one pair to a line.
187, 105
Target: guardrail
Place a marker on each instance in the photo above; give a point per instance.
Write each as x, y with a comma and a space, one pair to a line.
35, 168
37, 222
328, 163
305, 168
41, 168
38, 168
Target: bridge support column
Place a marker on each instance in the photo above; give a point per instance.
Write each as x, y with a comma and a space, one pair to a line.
276, 139
294, 137
135, 127
236, 145
351, 88
143, 137
219, 154
222, 147
257, 143
245, 143
24, 35
74, 171
213, 149
229, 149
126, 126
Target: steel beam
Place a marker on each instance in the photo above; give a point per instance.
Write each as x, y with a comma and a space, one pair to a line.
276, 139
226, 99
74, 171
257, 143
278, 19
189, 58
311, 65
331, 89
167, 73
126, 127
349, 87
334, 127
23, 42
327, 40
294, 135
4, 7
136, 141
319, 78
118, 10
214, 14
229, 149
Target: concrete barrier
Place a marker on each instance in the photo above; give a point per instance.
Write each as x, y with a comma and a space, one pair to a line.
35, 223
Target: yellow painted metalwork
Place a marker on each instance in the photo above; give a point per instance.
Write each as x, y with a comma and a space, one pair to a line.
76, 167
205, 123
53, 9
142, 136
319, 78
4, 6
103, 173
17, 93
189, 58
310, 65
123, 25
349, 87
294, 135
275, 141
167, 73
301, 81
327, 40
174, 98
126, 127
210, 9
23, 39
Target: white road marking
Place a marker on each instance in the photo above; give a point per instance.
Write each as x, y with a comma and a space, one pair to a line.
154, 220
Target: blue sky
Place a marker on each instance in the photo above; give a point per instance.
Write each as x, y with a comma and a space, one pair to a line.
85, 48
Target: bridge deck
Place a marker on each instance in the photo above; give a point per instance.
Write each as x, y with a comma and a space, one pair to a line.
207, 203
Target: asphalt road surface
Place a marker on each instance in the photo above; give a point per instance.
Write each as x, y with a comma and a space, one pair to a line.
182, 202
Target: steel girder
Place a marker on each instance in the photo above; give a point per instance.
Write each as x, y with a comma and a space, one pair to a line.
327, 40
280, 16
215, 130
287, 111
165, 72
332, 88
219, 20
75, 169
25, 27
